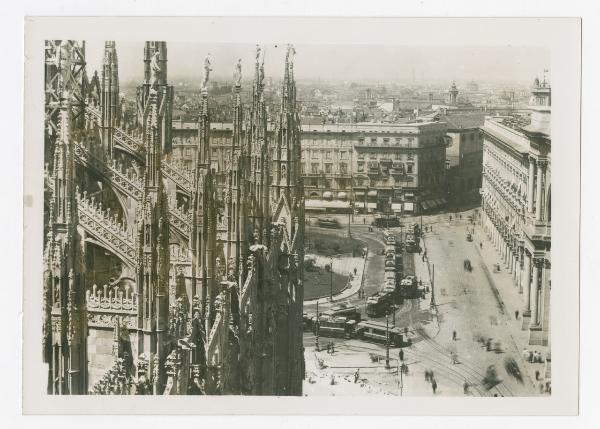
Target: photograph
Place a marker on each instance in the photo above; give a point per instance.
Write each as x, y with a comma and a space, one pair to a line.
231, 211
296, 234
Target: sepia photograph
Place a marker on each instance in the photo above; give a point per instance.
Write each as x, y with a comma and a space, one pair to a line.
293, 219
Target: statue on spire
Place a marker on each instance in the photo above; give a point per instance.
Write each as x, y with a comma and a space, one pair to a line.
258, 50
291, 54
238, 73
207, 71
155, 69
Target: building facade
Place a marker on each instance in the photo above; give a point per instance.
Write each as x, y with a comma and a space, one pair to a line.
370, 167
517, 207
157, 280
464, 157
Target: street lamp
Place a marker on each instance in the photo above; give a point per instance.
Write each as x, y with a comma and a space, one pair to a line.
349, 214
432, 285
387, 340
331, 280
317, 327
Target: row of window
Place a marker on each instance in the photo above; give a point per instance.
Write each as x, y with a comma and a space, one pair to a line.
360, 167
373, 156
315, 168
326, 154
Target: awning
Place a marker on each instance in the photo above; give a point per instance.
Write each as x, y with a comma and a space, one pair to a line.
372, 193
359, 204
342, 195
408, 207
397, 207
372, 205
409, 195
327, 195
320, 204
359, 194
424, 204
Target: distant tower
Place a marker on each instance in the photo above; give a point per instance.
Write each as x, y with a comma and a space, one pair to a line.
540, 104
453, 94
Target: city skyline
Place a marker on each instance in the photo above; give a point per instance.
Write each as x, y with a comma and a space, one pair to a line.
341, 63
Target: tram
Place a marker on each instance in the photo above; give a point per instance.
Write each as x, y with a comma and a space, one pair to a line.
378, 332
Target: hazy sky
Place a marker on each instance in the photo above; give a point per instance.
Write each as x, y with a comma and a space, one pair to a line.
340, 62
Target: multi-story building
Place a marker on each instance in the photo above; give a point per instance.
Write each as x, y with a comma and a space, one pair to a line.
153, 283
516, 204
373, 167
464, 156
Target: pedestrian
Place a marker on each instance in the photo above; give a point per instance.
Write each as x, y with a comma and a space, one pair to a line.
537, 375
328, 348
433, 385
427, 376
364, 221
466, 387
454, 358
480, 245
354, 270
517, 314
332, 348
356, 375
401, 355
453, 335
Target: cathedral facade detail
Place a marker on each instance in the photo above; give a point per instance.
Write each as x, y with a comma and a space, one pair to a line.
162, 280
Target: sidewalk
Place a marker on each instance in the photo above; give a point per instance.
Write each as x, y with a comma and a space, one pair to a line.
512, 300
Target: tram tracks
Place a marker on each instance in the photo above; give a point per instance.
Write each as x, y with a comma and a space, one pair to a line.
470, 370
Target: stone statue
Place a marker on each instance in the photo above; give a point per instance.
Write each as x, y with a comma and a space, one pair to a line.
291, 54
207, 71
155, 69
238, 73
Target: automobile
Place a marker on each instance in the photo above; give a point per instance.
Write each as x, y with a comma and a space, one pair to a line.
378, 304
344, 310
328, 222
469, 237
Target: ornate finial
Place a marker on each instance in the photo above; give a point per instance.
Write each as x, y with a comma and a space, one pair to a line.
207, 71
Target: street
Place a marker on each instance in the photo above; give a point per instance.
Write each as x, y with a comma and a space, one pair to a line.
466, 302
